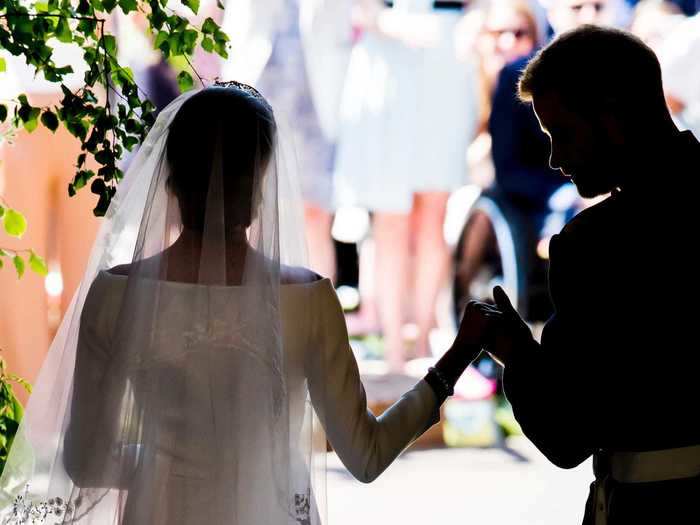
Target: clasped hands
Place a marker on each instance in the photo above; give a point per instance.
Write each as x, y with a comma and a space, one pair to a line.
497, 329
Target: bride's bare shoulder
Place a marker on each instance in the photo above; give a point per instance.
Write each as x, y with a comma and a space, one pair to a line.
298, 275
125, 269
288, 274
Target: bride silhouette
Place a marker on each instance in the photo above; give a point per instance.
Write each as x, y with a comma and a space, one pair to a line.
184, 382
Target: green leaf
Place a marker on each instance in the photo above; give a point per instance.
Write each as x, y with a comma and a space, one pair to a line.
41, 27
98, 187
3, 112
87, 27
89, 96
160, 38
126, 75
189, 39
17, 409
220, 36
192, 4
157, 16
219, 4
110, 44
184, 81
207, 44
90, 55
64, 70
102, 205
3, 65
174, 43
128, 5
221, 40
37, 264
109, 5
1, 264
220, 48
209, 27
31, 124
104, 157
2, 212
130, 142
50, 120
63, 32
81, 179
12, 425
14, 222
78, 128
28, 115
19, 265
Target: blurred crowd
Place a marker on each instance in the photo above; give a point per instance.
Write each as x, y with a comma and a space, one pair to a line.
424, 179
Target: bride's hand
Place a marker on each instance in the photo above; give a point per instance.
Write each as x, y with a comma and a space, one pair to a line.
474, 330
477, 325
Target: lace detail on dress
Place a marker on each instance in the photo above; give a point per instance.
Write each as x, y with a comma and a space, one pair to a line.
231, 335
48, 512
302, 508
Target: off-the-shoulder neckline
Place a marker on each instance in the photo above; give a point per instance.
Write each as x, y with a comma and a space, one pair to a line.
189, 285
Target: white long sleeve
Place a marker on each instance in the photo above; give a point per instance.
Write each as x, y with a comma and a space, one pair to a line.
366, 444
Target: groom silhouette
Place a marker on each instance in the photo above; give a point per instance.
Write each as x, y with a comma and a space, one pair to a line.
615, 375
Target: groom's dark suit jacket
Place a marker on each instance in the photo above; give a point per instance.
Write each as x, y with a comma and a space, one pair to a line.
618, 368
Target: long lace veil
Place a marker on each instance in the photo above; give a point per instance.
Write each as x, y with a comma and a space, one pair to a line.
166, 395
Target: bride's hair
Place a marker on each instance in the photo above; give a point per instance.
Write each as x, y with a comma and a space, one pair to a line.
226, 128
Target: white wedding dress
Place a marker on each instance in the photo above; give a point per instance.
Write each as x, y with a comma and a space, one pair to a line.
314, 333
186, 381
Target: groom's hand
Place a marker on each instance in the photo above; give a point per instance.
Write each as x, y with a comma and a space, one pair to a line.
509, 333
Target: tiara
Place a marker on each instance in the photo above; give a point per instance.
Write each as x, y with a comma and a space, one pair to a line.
250, 90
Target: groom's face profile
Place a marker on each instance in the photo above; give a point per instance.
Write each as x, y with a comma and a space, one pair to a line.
581, 146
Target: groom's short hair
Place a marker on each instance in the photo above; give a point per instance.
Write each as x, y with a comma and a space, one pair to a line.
596, 68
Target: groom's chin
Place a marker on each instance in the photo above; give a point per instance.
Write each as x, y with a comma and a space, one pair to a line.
589, 191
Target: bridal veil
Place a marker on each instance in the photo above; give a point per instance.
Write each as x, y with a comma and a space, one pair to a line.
174, 408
